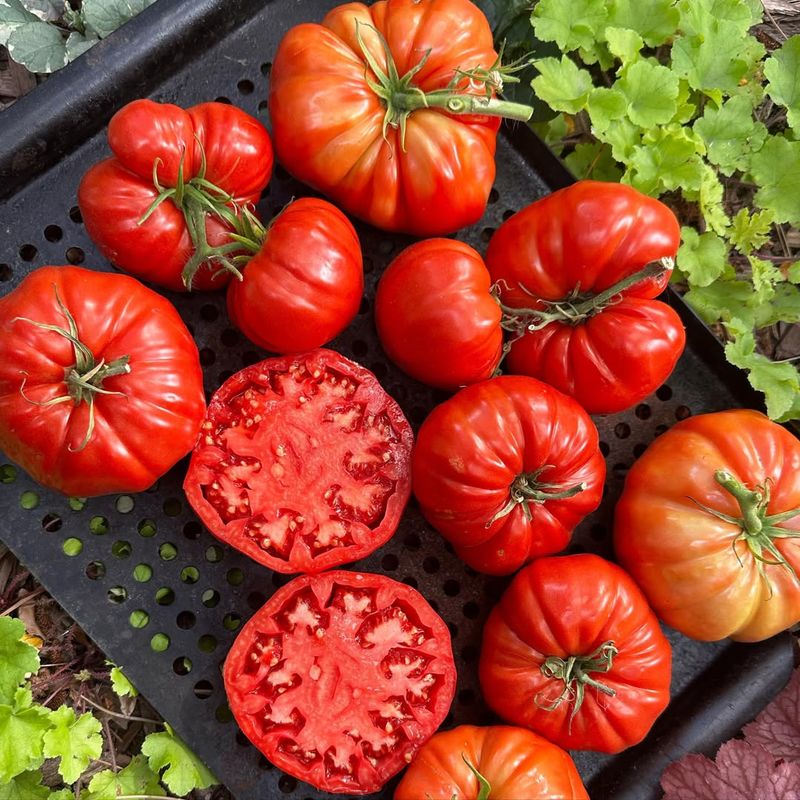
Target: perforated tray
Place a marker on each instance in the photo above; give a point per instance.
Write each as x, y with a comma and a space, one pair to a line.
161, 596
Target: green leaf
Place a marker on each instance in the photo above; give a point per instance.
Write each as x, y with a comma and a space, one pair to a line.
668, 159
702, 257
784, 306
21, 734
776, 167
782, 70
121, 685
593, 160
553, 131
47, 10
604, 106
136, 778
624, 43
707, 61
578, 23
765, 275
561, 84
76, 741
17, 658
698, 16
710, 196
651, 92
77, 44
598, 54
62, 794
623, 136
105, 16
718, 300
12, 15
655, 20
793, 272
749, 231
184, 770
731, 134
26, 786
38, 46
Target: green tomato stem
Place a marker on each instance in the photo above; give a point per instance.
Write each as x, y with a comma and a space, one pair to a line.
459, 103
485, 786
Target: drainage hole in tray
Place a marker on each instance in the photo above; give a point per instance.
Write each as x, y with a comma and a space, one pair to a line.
172, 506
75, 215
95, 570
146, 528
214, 554
142, 573
139, 618
390, 562
6, 272
190, 575
287, 784
124, 504
98, 526
211, 598
75, 255
28, 252
167, 551
53, 233
29, 500
51, 523
159, 643
255, 600
223, 714
182, 665
245, 86
203, 690
165, 596
186, 620
207, 643
121, 549
72, 547
117, 595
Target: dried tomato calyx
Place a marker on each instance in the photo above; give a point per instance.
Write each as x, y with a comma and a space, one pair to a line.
485, 786
576, 308
575, 671
84, 379
527, 488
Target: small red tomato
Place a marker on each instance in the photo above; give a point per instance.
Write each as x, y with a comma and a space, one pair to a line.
505, 470
435, 316
304, 285
577, 272
573, 652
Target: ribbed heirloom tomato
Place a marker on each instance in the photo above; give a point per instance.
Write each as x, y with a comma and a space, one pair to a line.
505, 470
500, 762
390, 111
708, 525
340, 678
577, 272
303, 462
100, 382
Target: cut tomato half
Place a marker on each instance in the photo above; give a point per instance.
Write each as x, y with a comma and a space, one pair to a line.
303, 462
340, 678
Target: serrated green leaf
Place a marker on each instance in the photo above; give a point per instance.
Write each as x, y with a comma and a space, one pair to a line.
21, 734
668, 159
77, 44
47, 10
710, 196
722, 300
26, 786
731, 134
570, 25
622, 135
605, 105
707, 61
593, 160
655, 20
698, 16
561, 84
784, 306
598, 54
553, 131
38, 46
76, 741
686, 105
651, 92
62, 794
765, 275
702, 257
12, 15
105, 16
750, 230
183, 770
624, 43
120, 684
17, 658
135, 779
776, 168
782, 70
793, 272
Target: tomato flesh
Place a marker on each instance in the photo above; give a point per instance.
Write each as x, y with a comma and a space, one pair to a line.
367, 652
303, 463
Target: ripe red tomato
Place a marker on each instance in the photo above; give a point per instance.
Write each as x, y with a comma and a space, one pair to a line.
367, 106
211, 153
303, 463
514, 764
304, 285
708, 522
435, 316
108, 399
574, 652
505, 470
340, 678
561, 265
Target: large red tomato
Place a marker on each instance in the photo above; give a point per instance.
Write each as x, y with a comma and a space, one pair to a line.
708, 525
100, 382
340, 678
574, 652
435, 316
506, 469
576, 272
500, 762
303, 462
367, 107
210, 156
304, 285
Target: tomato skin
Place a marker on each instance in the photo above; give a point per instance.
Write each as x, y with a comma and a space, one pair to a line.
114, 194
138, 436
589, 236
472, 447
339, 679
516, 762
570, 606
435, 316
698, 578
304, 286
328, 123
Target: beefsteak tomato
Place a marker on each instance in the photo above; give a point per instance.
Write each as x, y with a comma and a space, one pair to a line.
574, 652
577, 272
303, 462
340, 678
162, 207
100, 382
708, 526
304, 285
390, 111
435, 316
505, 469
499, 762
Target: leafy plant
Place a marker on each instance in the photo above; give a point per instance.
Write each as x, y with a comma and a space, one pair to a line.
680, 100
44, 35
31, 733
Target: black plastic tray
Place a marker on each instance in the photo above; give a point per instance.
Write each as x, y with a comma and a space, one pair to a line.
198, 592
